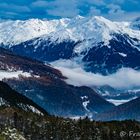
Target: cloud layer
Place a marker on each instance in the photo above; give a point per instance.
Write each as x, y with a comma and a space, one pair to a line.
125, 78
114, 9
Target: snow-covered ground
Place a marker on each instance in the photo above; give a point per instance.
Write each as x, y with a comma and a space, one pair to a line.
85, 103
12, 134
9, 74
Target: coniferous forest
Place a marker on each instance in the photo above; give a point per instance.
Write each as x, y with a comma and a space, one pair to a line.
20, 125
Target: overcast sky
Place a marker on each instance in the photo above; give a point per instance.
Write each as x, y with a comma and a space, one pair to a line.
112, 9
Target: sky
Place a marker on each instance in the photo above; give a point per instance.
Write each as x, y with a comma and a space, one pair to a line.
53, 9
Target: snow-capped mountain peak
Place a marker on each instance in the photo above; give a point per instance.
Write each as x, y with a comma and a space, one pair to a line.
79, 28
14, 32
103, 45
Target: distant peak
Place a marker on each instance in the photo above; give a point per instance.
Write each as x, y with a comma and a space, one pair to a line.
135, 24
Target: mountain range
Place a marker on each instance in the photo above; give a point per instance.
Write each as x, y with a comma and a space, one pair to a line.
98, 45
46, 86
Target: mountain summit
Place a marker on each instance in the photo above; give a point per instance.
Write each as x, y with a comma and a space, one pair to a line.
98, 44
78, 28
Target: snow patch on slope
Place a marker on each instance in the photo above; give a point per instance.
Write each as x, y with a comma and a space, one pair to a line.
85, 102
9, 74
2, 101
123, 55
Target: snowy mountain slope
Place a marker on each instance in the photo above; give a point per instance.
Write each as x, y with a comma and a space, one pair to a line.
96, 28
101, 45
14, 32
12, 74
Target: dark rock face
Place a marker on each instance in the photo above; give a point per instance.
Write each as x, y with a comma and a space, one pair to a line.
108, 59
46, 50
122, 51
